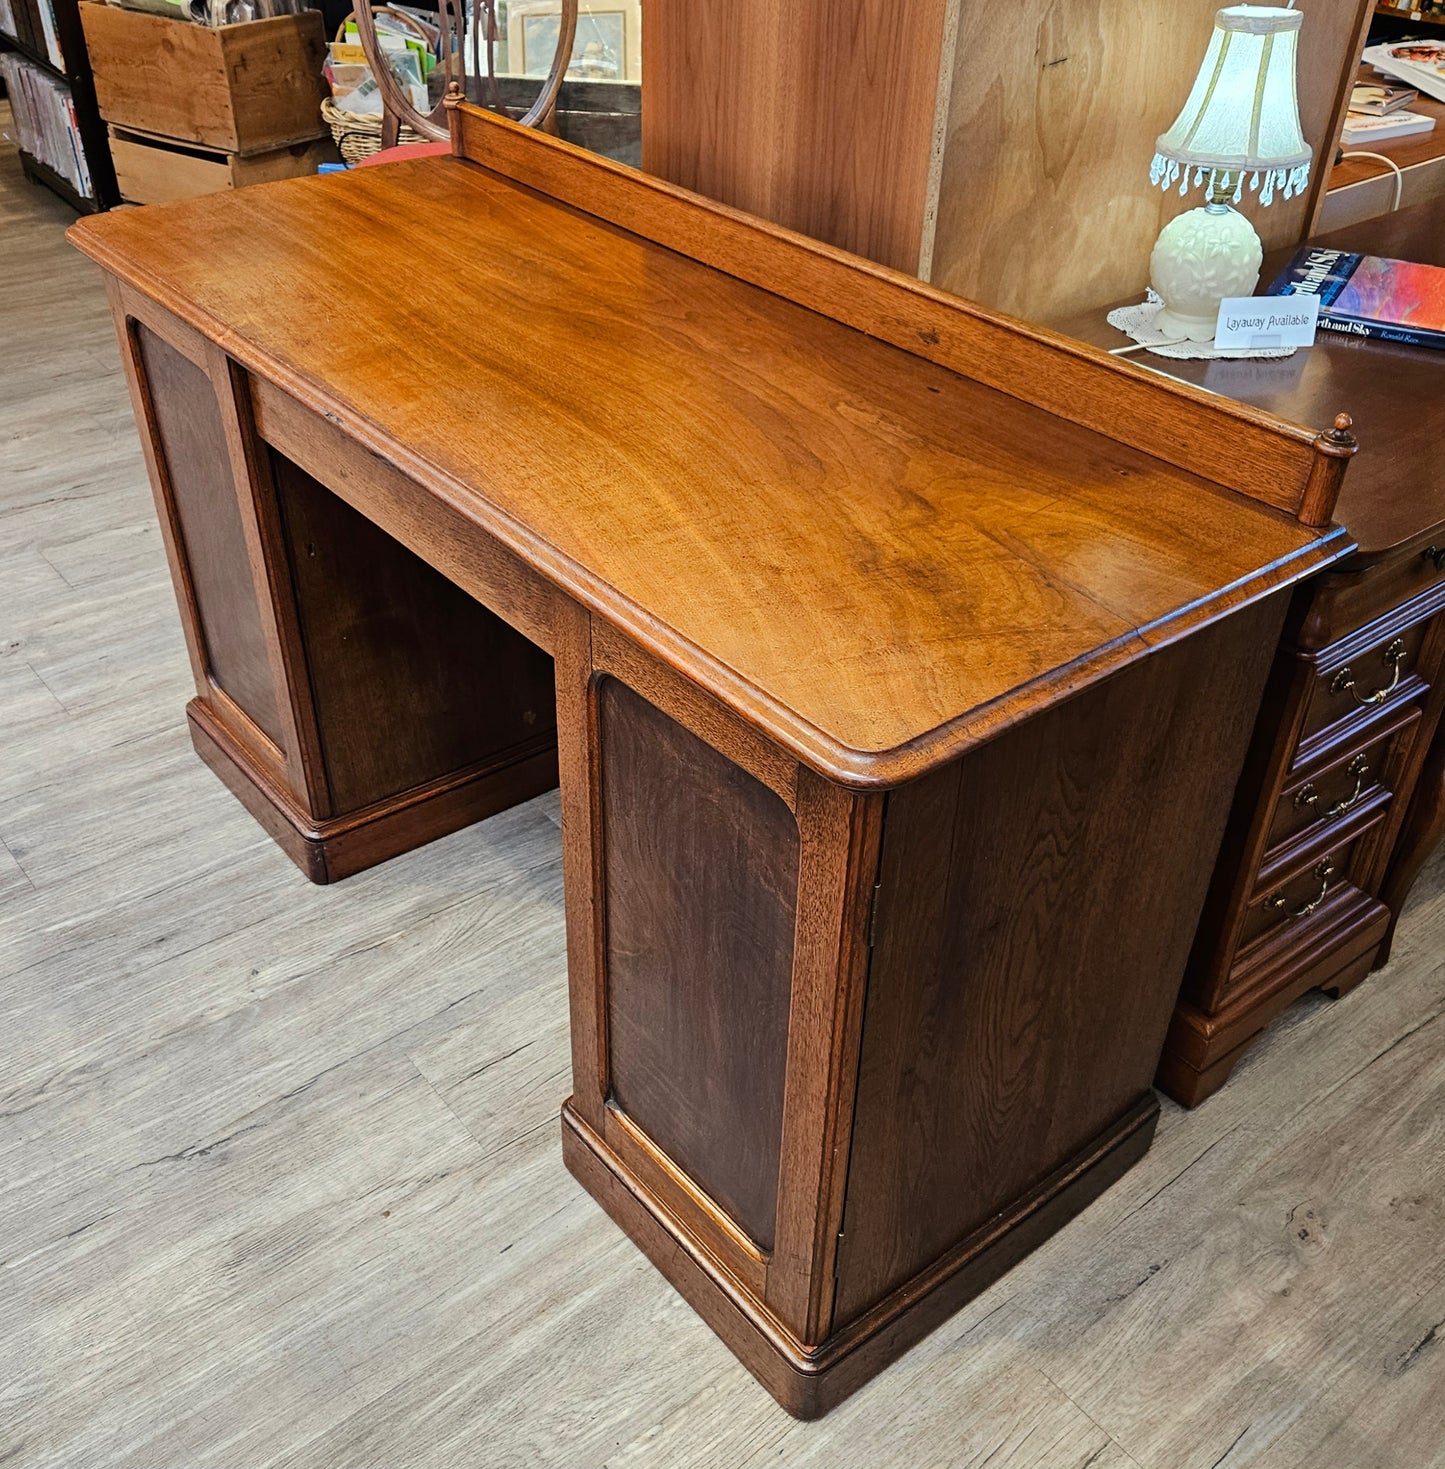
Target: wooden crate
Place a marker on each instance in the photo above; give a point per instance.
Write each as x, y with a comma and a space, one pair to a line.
244, 88
151, 170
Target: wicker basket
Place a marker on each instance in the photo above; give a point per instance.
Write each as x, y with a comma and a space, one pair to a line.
358, 134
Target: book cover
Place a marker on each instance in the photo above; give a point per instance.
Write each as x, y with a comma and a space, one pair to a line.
1367, 296
1419, 64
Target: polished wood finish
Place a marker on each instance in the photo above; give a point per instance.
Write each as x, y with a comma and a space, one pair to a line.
796, 578
191, 448
1381, 612
1269, 460
996, 150
360, 1135
353, 700
409, 675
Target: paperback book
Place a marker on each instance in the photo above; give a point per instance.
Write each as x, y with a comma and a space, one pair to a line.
1370, 130
1366, 296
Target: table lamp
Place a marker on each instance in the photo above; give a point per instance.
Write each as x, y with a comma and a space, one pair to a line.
1241, 120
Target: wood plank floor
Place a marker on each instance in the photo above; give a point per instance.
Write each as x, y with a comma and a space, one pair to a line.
280, 1179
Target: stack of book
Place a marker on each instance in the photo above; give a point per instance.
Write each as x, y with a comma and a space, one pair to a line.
45, 123
1380, 112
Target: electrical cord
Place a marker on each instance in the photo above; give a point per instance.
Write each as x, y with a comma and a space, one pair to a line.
1389, 163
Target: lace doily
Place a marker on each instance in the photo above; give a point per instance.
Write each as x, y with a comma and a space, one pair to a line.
1138, 322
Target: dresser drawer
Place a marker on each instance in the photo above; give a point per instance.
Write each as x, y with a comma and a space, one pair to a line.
1291, 891
1333, 790
1356, 680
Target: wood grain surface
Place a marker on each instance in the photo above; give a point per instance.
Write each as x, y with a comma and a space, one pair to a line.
192, 443
988, 1017
735, 481
819, 117
701, 879
281, 1183
244, 89
411, 678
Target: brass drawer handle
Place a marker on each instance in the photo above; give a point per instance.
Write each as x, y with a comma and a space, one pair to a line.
1325, 871
1308, 798
1359, 769
1435, 554
1344, 680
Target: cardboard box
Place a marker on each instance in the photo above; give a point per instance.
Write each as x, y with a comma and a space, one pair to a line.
151, 170
245, 88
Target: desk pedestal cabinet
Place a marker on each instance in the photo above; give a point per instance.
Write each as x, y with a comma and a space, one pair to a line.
854, 1025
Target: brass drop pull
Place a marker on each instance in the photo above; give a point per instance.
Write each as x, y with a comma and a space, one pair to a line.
1435, 554
1324, 872
1359, 769
1344, 680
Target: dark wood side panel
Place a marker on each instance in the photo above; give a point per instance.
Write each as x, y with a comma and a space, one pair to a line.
412, 679
192, 446
700, 876
1038, 900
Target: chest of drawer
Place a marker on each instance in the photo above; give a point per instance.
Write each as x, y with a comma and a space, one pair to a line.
1296, 887
1379, 668
1348, 776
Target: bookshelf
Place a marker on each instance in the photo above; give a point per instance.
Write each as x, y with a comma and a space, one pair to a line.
23, 34
1407, 21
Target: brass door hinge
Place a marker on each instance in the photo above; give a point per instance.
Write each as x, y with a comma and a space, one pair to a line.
873, 916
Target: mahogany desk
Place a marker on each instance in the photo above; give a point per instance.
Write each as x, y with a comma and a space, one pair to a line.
1339, 778
904, 662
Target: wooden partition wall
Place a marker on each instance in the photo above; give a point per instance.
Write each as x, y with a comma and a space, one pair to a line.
998, 148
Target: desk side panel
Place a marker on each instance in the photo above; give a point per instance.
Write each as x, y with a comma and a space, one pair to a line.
700, 887
200, 494
1037, 902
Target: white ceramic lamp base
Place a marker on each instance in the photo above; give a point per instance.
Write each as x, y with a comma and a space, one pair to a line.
1200, 258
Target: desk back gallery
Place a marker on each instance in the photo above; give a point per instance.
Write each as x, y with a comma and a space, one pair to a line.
904, 658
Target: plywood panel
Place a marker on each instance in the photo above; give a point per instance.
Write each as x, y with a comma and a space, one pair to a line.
1044, 200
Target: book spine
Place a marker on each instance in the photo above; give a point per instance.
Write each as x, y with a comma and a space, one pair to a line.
1382, 330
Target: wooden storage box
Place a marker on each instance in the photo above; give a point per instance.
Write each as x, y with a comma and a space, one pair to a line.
243, 88
151, 170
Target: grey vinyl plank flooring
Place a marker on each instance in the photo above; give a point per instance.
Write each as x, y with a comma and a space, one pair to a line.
280, 1180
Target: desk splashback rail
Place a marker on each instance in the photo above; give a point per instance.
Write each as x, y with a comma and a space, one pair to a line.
1283, 465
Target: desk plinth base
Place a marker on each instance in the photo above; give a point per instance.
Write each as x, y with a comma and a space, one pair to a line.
327, 850
809, 1382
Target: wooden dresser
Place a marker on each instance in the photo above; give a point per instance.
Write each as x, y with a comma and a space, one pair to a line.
1332, 816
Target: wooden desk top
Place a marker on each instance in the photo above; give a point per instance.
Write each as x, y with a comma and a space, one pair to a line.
876, 560
1394, 490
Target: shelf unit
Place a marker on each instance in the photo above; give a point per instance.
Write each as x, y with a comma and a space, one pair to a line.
1407, 18
29, 42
